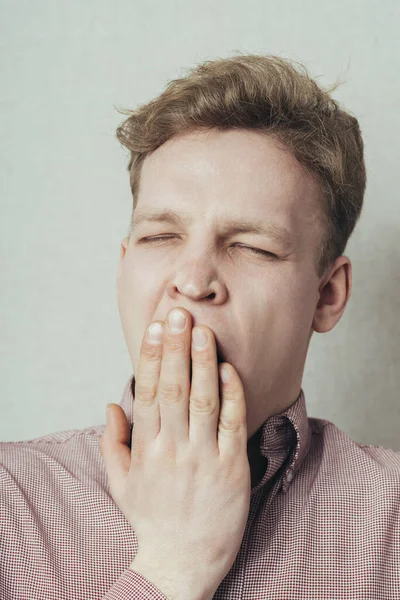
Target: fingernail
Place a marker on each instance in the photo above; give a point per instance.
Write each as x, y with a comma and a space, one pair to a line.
177, 321
199, 339
155, 333
225, 374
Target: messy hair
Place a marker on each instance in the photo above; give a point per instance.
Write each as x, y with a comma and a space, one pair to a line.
266, 94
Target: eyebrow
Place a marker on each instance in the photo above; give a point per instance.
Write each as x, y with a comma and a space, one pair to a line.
277, 232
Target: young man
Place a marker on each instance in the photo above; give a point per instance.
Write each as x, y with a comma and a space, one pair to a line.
247, 181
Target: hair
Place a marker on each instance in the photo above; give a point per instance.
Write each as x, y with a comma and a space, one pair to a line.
266, 94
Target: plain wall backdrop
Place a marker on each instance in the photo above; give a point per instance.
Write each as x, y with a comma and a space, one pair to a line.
65, 202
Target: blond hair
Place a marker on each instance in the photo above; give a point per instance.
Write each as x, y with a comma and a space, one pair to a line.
266, 94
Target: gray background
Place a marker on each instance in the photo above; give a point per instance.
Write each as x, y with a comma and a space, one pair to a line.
65, 200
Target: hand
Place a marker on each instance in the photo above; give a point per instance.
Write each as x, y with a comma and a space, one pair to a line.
184, 485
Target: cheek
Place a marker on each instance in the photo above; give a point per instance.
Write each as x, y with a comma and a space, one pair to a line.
138, 294
292, 295
129, 290
300, 303
134, 280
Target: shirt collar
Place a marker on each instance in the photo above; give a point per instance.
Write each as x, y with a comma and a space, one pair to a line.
285, 442
285, 438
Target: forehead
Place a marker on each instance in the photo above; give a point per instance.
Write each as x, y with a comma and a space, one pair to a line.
231, 173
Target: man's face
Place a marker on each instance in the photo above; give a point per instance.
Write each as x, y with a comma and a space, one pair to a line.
259, 307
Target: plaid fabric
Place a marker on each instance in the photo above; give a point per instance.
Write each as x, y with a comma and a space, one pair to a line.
324, 521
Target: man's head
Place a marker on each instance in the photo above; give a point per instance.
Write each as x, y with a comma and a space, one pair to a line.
247, 141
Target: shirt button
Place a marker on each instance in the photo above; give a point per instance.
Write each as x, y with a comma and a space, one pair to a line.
289, 476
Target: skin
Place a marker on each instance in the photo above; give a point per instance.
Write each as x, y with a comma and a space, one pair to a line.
181, 480
262, 310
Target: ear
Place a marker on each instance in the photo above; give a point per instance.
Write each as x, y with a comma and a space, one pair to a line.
123, 248
334, 293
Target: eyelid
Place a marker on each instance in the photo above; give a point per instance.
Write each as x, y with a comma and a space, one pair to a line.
259, 251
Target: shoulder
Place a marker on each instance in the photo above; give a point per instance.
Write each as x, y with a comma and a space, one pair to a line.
347, 459
67, 450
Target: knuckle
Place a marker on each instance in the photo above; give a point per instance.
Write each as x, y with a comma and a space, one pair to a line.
202, 403
171, 392
229, 422
231, 396
203, 361
229, 426
145, 392
138, 450
153, 352
175, 345
170, 452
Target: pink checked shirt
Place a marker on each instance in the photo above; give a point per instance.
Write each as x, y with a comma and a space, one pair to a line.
324, 521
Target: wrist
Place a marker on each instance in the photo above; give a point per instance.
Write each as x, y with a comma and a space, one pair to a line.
174, 586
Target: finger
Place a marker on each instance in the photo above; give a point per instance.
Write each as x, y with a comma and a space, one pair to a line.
146, 409
232, 425
174, 384
204, 401
114, 447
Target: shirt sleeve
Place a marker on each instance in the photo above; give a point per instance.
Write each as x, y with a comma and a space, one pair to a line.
133, 586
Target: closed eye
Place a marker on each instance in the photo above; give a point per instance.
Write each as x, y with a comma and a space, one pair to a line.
153, 239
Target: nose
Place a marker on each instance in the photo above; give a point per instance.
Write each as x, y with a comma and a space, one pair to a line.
196, 280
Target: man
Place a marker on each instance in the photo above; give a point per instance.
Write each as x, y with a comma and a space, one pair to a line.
209, 479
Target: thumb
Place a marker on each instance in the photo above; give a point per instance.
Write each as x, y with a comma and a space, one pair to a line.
115, 450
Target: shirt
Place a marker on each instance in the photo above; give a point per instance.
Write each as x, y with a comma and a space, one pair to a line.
324, 520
